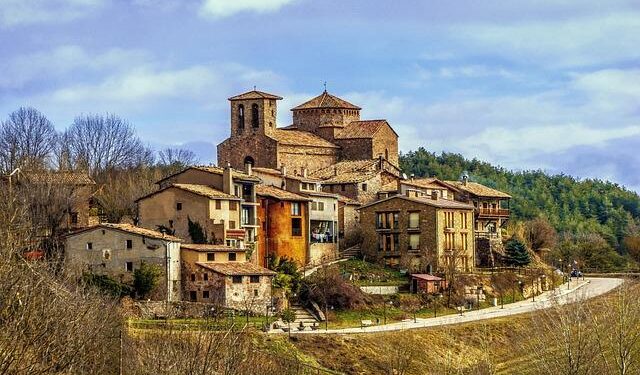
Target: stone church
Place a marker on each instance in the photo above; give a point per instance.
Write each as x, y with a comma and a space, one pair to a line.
326, 130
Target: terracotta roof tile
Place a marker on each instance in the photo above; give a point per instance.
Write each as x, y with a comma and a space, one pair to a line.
130, 229
205, 191
326, 100
479, 189
278, 173
300, 138
439, 203
429, 183
237, 269
426, 277
59, 177
361, 129
255, 94
207, 247
277, 193
349, 171
237, 174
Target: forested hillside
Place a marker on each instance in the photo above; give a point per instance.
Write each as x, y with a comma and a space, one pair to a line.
571, 205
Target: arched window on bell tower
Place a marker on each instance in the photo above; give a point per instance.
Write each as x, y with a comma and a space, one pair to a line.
254, 116
241, 116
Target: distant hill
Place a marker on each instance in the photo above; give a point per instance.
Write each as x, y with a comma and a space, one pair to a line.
570, 204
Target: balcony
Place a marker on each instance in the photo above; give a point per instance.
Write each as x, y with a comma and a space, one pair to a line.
493, 212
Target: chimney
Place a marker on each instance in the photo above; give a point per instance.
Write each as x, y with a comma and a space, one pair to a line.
283, 170
227, 180
434, 195
248, 168
304, 172
465, 178
412, 176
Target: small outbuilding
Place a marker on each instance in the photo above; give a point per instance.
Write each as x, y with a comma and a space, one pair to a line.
428, 284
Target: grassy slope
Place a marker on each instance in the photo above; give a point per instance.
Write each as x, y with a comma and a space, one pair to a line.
447, 349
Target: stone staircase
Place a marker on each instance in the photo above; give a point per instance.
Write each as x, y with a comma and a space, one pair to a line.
351, 253
302, 315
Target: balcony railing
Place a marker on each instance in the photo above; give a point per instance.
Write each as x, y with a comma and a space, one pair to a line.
494, 212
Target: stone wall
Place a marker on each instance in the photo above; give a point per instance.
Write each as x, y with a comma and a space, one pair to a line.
263, 150
295, 158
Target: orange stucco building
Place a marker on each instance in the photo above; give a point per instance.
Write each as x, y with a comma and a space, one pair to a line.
284, 219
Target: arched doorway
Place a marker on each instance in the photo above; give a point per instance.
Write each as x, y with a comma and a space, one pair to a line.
249, 160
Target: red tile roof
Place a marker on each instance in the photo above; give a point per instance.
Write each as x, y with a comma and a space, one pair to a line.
438, 203
128, 228
255, 94
348, 171
426, 277
237, 269
277, 193
326, 100
362, 129
479, 190
300, 138
208, 247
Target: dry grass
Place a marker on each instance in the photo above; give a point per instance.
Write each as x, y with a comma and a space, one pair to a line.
497, 346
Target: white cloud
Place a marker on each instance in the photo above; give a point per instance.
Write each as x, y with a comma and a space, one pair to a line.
26, 12
225, 8
63, 60
581, 41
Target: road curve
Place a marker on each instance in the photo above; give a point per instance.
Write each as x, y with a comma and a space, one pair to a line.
577, 290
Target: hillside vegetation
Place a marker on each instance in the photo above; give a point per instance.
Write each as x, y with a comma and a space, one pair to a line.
573, 207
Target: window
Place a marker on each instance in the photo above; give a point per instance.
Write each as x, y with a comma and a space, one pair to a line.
314, 206
128, 266
179, 206
233, 206
295, 208
205, 277
236, 279
320, 206
414, 242
193, 277
449, 219
241, 116
254, 279
414, 220
387, 220
254, 116
89, 245
129, 244
465, 245
211, 257
245, 215
232, 224
232, 257
364, 187
74, 218
218, 205
205, 294
296, 226
193, 295
255, 292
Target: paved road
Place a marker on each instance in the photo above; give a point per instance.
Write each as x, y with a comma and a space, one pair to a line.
578, 290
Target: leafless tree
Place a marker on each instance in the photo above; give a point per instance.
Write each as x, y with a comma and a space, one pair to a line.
119, 189
175, 159
540, 234
502, 282
618, 331
566, 341
99, 143
27, 140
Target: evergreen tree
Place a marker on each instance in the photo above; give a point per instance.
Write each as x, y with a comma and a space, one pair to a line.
196, 232
516, 253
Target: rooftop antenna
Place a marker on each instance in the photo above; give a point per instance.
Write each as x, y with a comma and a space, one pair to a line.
325, 86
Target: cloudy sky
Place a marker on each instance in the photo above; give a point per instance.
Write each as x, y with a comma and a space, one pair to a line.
550, 84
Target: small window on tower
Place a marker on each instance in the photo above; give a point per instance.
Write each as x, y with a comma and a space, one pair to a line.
254, 116
179, 206
241, 116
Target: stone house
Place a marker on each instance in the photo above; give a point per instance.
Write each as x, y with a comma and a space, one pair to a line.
348, 222
284, 216
239, 286
119, 249
423, 234
222, 201
360, 180
491, 215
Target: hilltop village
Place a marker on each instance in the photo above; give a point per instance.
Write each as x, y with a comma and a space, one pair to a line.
326, 187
